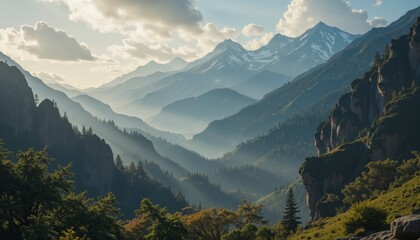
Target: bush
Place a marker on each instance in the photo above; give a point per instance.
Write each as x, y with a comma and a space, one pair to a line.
368, 218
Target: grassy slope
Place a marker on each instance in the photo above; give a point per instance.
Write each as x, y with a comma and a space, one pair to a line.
398, 201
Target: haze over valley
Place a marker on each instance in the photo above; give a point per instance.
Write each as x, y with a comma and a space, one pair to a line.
185, 120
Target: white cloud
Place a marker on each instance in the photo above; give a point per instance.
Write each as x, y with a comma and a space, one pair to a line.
155, 16
44, 42
49, 77
259, 42
252, 29
378, 2
150, 25
304, 14
189, 46
211, 36
378, 22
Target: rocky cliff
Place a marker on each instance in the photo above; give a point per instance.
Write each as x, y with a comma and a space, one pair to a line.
374, 121
24, 125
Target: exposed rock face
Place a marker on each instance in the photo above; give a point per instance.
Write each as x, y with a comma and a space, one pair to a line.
15, 93
385, 235
374, 110
24, 125
329, 172
406, 228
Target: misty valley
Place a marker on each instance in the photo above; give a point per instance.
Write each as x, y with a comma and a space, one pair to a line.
311, 132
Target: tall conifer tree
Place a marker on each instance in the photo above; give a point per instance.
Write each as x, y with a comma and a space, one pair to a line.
290, 220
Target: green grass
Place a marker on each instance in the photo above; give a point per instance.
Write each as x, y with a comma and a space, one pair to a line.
398, 201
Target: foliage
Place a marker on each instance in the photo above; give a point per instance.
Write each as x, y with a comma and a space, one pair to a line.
408, 168
246, 222
265, 233
155, 223
397, 201
379, 176
37, 204
290, 220
329, 204
368, 218
210, 224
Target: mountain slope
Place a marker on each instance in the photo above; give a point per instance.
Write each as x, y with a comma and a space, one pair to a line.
304, 91
192, 115
284, 147
104, 112
133, 149
229, 64
297, 55
275, 202
150, 68
261, 83
376, 120
399, 201
24, 125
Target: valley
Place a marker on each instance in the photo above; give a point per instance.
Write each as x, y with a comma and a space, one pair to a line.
291, 139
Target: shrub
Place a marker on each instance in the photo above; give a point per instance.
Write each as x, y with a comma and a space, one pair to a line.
368, 218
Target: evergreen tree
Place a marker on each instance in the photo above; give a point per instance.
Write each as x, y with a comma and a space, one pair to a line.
36, 99
290, 220
89, 132
119, 163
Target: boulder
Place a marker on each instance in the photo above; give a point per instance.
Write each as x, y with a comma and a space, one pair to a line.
406, 228
416, 211
384, 235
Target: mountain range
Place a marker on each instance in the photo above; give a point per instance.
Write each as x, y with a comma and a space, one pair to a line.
251, 122
148, 69
25, 123
229, 65
305, 91
192, 115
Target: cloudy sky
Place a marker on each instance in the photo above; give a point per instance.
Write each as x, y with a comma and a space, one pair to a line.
86, 43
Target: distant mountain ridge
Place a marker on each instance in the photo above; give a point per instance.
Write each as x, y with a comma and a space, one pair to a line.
313, 47
150, 68
261, 83
229, 65
24, 124
303, 92
192, 115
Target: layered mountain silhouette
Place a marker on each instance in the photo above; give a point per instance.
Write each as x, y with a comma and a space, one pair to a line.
24, 124
149, 68
192, 115
305, 91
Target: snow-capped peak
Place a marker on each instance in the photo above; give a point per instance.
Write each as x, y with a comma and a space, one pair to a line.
313, 47
229, 45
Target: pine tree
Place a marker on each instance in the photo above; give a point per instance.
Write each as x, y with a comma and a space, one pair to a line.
290, 220
89, 132
36, 99
119, 163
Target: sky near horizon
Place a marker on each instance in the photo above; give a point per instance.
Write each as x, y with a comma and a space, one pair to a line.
85, 43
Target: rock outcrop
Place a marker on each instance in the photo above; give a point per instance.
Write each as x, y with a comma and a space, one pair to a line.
407, 227
377, 116
24, 125
403, 228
